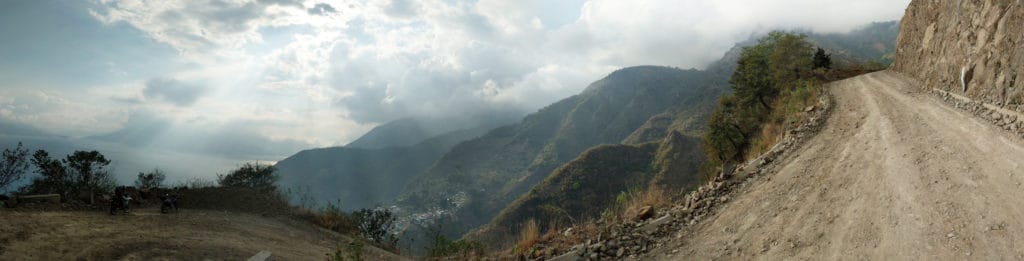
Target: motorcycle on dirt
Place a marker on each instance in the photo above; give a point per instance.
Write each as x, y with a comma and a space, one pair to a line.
168, 204
121, 204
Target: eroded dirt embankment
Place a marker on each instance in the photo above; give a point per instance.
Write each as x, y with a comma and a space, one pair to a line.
894, 174
146, 234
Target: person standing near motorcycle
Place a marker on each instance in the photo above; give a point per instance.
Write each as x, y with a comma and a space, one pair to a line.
120, 201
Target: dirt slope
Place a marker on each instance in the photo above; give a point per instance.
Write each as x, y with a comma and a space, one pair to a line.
894, 174
146, 234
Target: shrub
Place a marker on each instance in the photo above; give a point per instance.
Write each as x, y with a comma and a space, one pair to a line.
377, 226
354, 251
333, 218
444, 247
153, 179
196, 183
250, 175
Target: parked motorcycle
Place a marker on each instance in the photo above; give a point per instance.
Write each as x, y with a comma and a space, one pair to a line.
169, 203
122, 203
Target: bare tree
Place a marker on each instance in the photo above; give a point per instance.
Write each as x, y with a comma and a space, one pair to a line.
13, 166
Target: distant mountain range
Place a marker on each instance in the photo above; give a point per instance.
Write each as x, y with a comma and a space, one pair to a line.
478, 178
375, 168
636, 127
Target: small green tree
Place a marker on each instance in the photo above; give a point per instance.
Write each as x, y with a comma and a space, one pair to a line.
250, 175
13, 166
791, 59
153, 179
822, 59
751, 82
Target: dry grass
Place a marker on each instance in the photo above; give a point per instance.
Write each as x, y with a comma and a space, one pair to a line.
653, 196
788, 112
770, 134
528, 235
331, 217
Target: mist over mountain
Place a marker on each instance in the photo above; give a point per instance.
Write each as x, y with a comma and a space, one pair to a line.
410, 131
374, 169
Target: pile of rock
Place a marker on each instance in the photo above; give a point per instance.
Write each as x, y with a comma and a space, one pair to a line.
634, 238
1006, 119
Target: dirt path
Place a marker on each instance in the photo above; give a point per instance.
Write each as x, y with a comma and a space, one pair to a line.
894, 174
146, 234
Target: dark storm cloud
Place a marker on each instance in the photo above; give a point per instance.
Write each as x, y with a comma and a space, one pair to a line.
172, 91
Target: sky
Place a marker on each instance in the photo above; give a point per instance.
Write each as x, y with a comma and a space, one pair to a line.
230, 77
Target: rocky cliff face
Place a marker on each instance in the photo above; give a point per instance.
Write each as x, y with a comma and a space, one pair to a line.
972, 48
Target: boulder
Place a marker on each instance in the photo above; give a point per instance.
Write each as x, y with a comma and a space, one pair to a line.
645, 213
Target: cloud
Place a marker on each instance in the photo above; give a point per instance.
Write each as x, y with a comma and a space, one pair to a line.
401, 8
364, 62
172, 91
321, 9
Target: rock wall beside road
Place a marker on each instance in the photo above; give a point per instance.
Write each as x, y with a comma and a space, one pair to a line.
971, 48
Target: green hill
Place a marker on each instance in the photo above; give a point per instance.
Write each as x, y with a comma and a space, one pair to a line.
588, 185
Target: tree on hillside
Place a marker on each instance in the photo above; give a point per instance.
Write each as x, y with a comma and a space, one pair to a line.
250, 175
775, 63
822, 59
153, 179
13, 165
775, 67
791, 59
728, 133
751, 82
377, 226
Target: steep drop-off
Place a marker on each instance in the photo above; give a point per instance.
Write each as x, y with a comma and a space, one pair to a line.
478, 178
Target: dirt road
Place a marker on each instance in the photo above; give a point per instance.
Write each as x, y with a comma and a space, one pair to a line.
894, 175
146, 234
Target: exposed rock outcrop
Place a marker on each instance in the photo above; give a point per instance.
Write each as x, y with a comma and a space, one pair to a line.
969, 48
